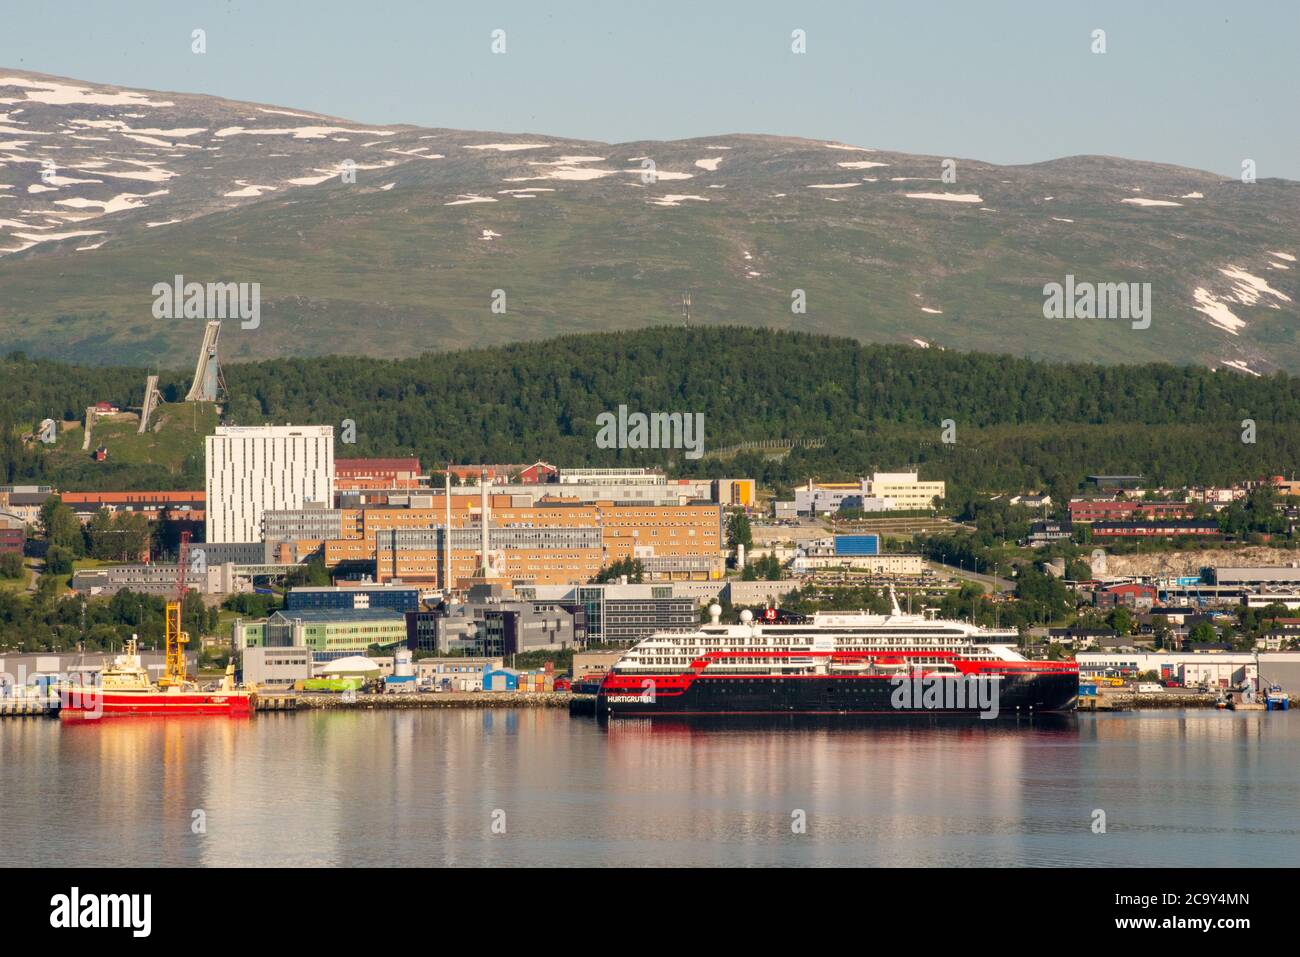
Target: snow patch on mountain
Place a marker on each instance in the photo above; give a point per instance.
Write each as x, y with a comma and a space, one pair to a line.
1141, 201
53, 93
297, 132
508, 147
947, 197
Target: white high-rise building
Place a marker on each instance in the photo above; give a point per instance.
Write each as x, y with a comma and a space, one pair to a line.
254, 468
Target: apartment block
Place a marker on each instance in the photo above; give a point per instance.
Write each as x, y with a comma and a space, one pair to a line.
252, 469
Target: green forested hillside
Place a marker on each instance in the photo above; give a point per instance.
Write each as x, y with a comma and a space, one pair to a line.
1019, 424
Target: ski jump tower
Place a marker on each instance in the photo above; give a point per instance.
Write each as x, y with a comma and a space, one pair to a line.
151, 399
208, 380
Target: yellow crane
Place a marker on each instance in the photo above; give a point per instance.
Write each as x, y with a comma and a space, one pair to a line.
174, 671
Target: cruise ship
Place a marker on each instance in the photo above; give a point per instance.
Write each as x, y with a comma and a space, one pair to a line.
836, 663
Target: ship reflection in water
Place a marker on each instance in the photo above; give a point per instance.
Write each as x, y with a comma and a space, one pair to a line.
536, 787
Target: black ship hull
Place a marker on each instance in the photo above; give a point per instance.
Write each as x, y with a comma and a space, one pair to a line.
1006, 696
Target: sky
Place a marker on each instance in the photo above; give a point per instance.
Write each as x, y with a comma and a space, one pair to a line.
1196, 83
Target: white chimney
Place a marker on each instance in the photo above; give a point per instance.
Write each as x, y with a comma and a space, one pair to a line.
446, 580
483, 514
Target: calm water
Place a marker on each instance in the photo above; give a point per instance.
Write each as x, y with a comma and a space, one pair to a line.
422, 788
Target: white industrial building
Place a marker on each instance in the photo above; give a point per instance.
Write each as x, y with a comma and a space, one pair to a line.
1283, 669
251, 469
883, 492
1195, 668
611, 477
905, 489
456, 674
275, 669
887, 564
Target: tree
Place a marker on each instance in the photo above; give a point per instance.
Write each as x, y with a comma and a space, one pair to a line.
121, 537
1204, 633
1160, 630
1078, 570
313, 574
738, 531
766, 568
1121, 620
11, 565
631, 567
61, 528
58, 561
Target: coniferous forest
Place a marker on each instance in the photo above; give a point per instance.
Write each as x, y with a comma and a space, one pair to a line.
1015, 424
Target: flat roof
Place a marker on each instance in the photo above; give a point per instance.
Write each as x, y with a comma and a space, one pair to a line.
338, 614
360, 586
349, 465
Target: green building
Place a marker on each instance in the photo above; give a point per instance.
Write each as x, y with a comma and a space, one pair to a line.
328, 632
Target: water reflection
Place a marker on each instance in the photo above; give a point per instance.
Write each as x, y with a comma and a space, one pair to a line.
535, 787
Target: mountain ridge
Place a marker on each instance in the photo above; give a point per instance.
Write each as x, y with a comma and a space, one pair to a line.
437, 220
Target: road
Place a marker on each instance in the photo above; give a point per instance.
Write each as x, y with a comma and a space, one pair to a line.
1001, 584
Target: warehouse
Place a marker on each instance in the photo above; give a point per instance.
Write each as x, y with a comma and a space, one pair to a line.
1281, 668
1193, 669
275, 669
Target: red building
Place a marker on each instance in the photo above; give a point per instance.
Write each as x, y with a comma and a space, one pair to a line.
1165, 529
171, 506
1125, 510
539, 473
13, 534
401, 473
1131, 596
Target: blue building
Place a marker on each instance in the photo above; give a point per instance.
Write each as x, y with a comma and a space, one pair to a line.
501, 679
857, 545
397, 597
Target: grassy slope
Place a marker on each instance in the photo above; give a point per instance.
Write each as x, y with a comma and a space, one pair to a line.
175, 434
397, 273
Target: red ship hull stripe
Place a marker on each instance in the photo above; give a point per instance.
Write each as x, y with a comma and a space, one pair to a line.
115, 705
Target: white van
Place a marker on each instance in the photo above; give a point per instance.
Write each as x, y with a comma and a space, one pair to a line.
1149, 687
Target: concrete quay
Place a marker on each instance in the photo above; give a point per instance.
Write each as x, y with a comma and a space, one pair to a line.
334, 701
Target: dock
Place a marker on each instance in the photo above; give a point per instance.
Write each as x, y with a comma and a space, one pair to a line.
276, 702
333, 701
29, 707
1136, 701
